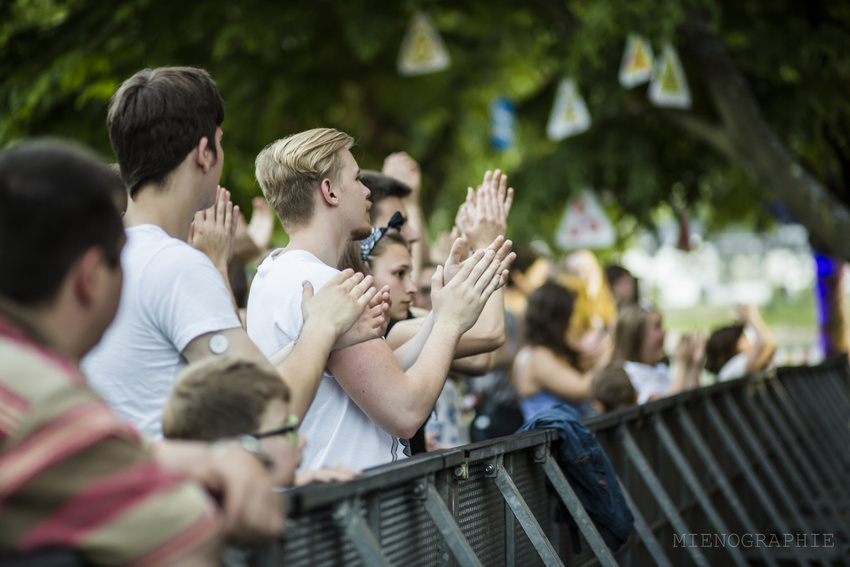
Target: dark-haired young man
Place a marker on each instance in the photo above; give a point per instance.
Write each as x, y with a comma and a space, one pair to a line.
74, 477
165, 128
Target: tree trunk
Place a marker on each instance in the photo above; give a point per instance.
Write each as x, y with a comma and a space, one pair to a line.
745, 137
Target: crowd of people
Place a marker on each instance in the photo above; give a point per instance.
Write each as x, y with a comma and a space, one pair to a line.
164, 369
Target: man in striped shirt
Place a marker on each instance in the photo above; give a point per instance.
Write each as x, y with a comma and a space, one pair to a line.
73, 477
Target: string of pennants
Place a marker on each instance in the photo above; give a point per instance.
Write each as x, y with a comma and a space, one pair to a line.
423, 51
584, 223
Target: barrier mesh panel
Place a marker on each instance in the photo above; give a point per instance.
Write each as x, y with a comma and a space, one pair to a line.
481, 516
408, 536
531, 483
316, 541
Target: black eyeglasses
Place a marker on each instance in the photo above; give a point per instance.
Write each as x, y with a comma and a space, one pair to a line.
291, 429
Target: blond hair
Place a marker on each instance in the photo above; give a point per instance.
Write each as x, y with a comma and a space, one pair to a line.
290, 170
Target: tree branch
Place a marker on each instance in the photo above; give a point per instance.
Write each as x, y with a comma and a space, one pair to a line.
754, 145
712, 134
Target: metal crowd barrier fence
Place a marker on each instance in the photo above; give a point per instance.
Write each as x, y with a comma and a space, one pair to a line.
752, 471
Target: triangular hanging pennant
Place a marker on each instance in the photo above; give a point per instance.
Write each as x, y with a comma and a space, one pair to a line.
584, 224
636, 67
422, 50
569, 113
669, 86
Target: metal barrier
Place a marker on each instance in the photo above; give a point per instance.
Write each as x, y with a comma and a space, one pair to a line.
751, 471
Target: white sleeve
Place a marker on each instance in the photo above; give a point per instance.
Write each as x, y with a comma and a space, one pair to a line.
188, 296
735, 367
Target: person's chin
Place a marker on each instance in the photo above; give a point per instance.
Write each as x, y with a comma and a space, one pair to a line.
361, 232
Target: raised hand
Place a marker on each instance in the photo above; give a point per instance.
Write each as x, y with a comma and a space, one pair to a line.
484, 214
262, 224
500, 246
371, 324
214, 229
340, 302
459, 302
401, 166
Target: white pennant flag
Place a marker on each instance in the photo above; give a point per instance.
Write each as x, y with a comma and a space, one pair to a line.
669, 86
422, 50
636, 66
569, 113
584, 224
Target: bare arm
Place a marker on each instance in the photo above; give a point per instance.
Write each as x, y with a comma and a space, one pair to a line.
689, 358
328, 318
761, 351
397, 401
541, 370
407, 338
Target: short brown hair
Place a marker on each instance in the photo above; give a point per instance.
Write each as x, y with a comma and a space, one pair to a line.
157, 116
290, 170
613, 388
220, 397
380, 187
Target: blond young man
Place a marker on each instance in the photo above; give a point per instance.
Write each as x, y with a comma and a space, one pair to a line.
366, 406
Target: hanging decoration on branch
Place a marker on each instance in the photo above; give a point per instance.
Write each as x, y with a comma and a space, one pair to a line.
422, 50
636, 67
669, 87
584, 224
502, 124
569, 113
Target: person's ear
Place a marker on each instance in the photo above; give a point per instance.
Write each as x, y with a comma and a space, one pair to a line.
203, 155
85, 274
329, 193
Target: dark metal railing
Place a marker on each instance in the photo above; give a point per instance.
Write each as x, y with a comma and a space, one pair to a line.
751, 471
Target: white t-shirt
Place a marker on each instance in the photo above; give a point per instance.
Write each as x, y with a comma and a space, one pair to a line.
735, 367
336, 429
171, 294
649, 380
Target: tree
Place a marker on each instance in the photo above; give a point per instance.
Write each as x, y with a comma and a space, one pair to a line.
769, 80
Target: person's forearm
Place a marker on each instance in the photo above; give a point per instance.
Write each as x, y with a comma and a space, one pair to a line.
476, 365
302, 363
764, 346
680, 378
425, 379
409, 352
489, 332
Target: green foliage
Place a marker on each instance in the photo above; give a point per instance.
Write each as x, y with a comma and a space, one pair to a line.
287, 66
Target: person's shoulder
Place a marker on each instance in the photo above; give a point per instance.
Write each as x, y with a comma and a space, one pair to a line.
298, 265
151, 249
32, 373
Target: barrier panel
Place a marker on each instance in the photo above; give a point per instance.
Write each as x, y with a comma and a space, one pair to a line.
750, 471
